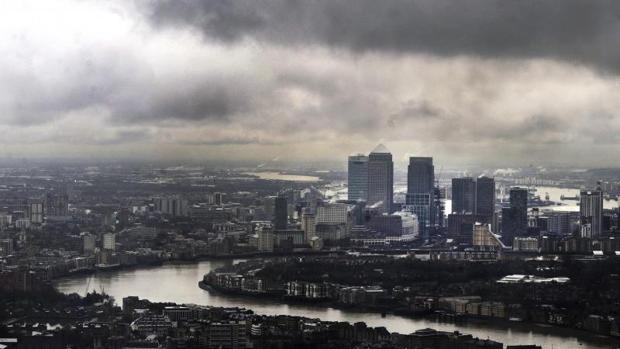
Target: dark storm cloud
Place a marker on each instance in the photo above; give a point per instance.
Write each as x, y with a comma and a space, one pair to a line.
583, 31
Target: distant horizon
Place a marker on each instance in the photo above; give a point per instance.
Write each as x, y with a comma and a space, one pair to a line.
265, 165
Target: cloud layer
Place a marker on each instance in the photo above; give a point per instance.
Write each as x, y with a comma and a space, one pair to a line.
476, 82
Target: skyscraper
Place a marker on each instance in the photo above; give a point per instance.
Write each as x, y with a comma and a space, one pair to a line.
56, 204
109, 241
420, 175
463, 195
591, 212
381, 179
485, 198
358, 177
280, 213
514, 218
474, 196
308, 223
421, 192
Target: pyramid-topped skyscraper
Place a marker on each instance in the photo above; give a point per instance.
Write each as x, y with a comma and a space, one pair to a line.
380, 149
381, 179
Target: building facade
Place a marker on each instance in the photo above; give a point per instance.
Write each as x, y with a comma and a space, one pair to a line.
381, 179
358, 178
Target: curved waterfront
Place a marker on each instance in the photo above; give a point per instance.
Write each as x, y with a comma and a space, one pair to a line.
179, 283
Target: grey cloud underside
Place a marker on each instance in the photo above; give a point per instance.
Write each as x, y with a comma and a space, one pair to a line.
127, 91
581, 31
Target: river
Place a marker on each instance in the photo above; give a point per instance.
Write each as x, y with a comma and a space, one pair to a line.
555, 194
179, 283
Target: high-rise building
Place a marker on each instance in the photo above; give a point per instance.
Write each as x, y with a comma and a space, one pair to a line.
280, 221
89, 243
381, 179
420, 175
461, 225
109, 241
514, 218
485, 198
591, 212
265, 238
420, 196
35, 211
463, 195
559, 223
358, 178
474, 196
331, 213
56, 204
173, 205
308, 223
218, 199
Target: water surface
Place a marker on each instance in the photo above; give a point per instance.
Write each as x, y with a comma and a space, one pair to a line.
179, 283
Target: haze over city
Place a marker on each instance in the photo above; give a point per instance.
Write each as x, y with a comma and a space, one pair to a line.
273, 174
496, 83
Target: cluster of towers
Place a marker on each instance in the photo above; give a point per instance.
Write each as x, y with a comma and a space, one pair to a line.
371, 179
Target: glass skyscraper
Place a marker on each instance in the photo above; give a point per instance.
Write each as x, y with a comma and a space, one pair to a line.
591, 212
381, 179
358, 178
420, 197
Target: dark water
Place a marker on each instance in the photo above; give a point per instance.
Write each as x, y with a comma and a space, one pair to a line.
179, 283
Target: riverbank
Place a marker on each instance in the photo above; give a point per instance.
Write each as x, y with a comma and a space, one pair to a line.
176, 282
463, 322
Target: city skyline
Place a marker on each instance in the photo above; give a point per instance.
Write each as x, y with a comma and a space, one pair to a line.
465, 83
309, 174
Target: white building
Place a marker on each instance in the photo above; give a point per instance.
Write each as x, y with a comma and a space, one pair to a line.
109, 241
265, 238
308, 224
331, 213
410, 224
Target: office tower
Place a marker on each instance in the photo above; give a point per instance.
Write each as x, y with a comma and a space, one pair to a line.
591, 212
358, 178
218, 199
474, 196
420, 197
514, 218
331, 213
308, 223
89, 243
109, 241
420, 175
485, 198
280, 213
173, 205
265, 238
381, 179
35, 211
463, 195
461, 225
559, 223
56, 204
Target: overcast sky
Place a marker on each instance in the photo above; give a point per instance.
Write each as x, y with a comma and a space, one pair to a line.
466, 81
